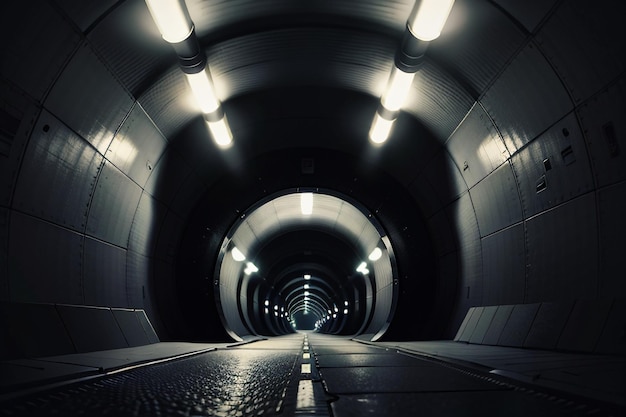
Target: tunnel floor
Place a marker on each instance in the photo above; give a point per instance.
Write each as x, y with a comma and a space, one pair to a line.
300, 374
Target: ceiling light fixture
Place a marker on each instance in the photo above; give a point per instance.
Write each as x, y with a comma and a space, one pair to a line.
306, 204
375, 255
173, 21
250, 268
428, 18
424, 25
237, 255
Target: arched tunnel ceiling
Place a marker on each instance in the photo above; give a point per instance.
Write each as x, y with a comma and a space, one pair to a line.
513, 126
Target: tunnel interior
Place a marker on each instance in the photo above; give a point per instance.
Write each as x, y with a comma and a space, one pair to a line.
502, 182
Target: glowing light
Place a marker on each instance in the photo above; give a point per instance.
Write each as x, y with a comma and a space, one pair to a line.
267, 302
375, 255
345, 311
306, 286
237, 255
306, 203
363, 268
307, 276
381, 128
172, 19
428, 18
307, 293
220, 131
398, 88
203, 91
250, 268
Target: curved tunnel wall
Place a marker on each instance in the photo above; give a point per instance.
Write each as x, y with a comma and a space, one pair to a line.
516, 162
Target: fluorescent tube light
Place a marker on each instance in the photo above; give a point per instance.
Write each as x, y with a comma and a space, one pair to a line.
306, 203
221, 132
203, 91
250, 268
172, 19
380, 130
398, 88
428, 18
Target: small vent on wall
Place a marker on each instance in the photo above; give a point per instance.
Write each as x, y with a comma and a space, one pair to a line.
608, 131
568, 155
541, 184
547, 165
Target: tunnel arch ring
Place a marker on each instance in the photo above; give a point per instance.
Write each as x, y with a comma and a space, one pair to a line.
283, 211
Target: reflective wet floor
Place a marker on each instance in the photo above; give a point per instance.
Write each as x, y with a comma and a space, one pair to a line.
302, 374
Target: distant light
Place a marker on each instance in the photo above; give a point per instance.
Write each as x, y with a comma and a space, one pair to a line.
428, 18
276, 308
237, 255
306, 298
345, 303
172, 19
362, 268
266, 311
398, 88
380, 130
267, 302
335, 315
307, 293
250, 268
203, 91
220, 131
306, 203
345, 311
307, 276
375, 255
276, 313
336, 309
329, 311
306, 286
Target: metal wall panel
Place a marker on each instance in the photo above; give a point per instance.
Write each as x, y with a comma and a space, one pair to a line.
471, 324
44, 262
168, 236
58, 175
137, 146
476, 146
46, 40
496, 201
470, 252
85, 12
4, 254
478, 50
526, 99
504, 266
190, 190
15, 108
497, 325
528, 13
518, 325
139, 286
89, 99
113, 206
483, 324
166, 176
442, 233
553, 168
439, 101
463, 325
585, 324
445, 178
585, 42
425, 196
162, 102
146, 223
603, 122
104, 274
612, 223
612, 340
563, 252
548, 325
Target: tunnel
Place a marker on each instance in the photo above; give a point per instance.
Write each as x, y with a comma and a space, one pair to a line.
337, 174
